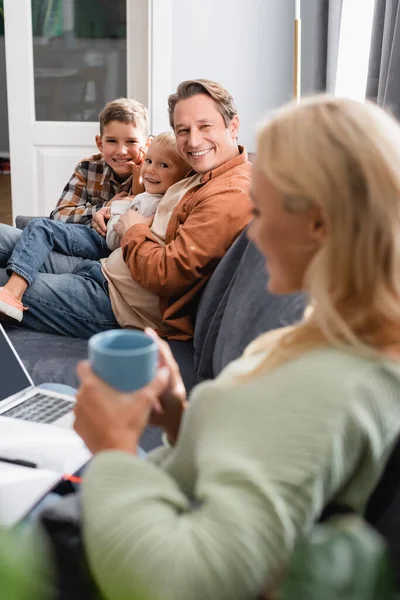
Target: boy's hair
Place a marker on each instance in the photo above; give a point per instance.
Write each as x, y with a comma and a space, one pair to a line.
125, 110
193, 87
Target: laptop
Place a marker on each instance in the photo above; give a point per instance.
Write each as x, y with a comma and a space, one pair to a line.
20, 399
38, 445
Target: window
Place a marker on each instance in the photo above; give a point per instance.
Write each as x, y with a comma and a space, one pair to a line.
354, 48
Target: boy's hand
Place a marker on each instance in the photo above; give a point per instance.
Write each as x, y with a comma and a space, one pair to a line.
137, 181
100, 218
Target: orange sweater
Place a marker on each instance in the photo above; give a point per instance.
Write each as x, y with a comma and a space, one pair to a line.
202, 227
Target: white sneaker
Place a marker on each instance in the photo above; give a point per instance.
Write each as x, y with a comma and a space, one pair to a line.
11, 309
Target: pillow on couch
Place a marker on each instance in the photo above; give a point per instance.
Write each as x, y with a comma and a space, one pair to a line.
236, 307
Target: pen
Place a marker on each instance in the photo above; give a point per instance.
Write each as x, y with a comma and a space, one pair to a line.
18, 461
72, 478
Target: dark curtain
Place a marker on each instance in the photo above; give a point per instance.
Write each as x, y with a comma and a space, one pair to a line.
329, 19
383, 84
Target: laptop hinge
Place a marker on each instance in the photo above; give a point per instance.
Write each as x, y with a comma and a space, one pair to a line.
16, 397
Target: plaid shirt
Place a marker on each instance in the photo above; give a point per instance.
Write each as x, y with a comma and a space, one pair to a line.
91, 186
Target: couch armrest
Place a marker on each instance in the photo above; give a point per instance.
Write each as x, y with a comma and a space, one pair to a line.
21, 221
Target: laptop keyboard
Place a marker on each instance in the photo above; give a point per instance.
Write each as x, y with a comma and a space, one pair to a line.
40, 409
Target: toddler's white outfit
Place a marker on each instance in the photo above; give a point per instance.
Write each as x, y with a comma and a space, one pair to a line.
145, 204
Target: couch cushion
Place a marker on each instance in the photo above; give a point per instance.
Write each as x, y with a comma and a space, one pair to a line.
22, 221
251, 310
212, 305
53, 358
48, 358
236, 307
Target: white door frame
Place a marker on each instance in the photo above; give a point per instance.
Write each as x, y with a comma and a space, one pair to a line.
148, 45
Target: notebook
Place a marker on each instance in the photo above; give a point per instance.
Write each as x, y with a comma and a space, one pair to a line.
36, 427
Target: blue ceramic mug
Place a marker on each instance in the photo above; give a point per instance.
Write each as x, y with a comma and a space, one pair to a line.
126, 359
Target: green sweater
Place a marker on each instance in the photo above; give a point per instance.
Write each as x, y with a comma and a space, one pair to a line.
217, 515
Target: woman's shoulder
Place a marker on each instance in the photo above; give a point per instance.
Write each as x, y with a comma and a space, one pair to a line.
330, 376
345, 368
334, 371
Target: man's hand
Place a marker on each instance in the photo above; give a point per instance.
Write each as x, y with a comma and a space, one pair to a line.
128, 220
100, 218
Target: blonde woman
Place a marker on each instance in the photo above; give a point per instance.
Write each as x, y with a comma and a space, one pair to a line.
308, 415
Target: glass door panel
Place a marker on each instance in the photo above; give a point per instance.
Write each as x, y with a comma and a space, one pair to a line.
79, 56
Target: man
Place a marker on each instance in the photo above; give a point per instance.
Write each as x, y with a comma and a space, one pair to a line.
154, 279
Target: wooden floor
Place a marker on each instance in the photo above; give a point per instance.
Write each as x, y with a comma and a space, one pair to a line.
5, 199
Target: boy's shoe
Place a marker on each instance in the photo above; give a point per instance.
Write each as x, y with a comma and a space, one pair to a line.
11, 309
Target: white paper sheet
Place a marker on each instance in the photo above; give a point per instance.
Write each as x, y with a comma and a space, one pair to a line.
56, 452
20, 489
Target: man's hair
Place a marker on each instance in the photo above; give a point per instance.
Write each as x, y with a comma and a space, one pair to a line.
193, 87
125, 110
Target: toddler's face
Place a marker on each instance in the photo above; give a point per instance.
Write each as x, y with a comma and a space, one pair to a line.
122, 145
162, 167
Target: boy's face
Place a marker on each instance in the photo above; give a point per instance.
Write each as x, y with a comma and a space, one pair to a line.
161, 168
121, 144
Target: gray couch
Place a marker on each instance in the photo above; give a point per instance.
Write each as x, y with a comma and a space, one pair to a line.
235, 307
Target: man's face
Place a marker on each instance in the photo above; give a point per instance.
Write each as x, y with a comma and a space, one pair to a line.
202, 138
122, 144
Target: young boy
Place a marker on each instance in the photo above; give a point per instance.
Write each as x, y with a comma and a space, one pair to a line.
161, 168
112, 174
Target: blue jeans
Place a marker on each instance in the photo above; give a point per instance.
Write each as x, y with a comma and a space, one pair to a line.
41, 236
69, 295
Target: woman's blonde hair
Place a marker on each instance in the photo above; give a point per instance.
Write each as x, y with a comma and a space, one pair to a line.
343, 156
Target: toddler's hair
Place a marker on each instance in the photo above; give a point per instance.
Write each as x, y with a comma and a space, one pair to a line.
168, 140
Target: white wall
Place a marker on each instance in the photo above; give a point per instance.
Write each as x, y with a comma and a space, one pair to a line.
247, 45
4, 142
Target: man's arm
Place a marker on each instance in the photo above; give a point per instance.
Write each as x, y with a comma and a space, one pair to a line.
74, 205
201, 241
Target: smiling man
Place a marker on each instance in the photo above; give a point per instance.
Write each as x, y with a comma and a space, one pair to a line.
155, 277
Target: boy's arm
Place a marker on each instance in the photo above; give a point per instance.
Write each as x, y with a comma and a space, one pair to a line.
74, 205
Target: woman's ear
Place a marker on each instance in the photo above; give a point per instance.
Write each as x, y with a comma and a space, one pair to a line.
317, 225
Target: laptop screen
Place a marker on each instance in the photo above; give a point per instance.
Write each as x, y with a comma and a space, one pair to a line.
13, 378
